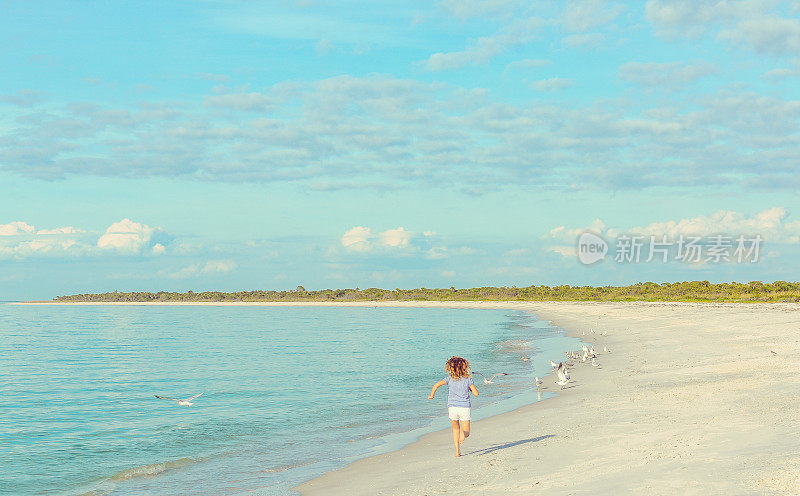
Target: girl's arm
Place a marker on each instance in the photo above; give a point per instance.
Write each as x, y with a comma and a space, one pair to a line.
435, 387
473, 389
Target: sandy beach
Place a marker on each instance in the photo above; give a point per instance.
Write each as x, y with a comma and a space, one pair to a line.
692, 399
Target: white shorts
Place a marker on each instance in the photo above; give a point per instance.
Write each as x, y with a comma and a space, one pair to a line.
458, 413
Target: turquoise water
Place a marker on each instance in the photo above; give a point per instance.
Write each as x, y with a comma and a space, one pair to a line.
290, 392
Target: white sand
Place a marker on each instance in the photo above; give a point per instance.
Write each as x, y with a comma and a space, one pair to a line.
690, 401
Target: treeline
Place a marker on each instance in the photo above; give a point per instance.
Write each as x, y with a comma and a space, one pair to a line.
649, 291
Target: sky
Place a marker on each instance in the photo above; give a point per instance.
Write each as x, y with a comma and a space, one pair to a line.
224, 145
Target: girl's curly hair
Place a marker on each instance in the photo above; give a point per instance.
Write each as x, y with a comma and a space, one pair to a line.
457, 367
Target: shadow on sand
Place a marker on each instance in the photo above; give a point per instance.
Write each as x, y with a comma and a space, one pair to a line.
498, 447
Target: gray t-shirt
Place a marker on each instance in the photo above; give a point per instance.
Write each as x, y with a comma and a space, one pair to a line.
459, 391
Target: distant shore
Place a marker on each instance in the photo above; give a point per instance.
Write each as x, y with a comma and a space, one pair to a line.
690, 291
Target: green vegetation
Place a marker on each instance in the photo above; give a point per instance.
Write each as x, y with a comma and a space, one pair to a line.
648, 291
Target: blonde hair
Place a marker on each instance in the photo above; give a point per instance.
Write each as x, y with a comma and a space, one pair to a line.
457, 367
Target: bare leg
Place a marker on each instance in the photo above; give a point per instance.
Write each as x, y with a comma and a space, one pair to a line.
456, 436
464, 430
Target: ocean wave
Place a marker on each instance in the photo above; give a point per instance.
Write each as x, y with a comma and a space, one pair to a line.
515, 345
152, 470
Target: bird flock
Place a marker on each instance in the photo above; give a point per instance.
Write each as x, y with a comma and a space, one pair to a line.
586, 355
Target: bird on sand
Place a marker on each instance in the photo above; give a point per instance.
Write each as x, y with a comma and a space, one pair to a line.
181, 402
538, 382
563, 375
490, 380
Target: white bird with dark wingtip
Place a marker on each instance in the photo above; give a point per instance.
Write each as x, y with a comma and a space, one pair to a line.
183, 402
490, 380
563, 375
606, 350
538, 382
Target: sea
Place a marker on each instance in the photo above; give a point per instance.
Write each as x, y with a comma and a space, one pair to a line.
289, 392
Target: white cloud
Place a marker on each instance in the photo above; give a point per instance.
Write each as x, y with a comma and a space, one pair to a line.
127, 236
396, 238
15, 228
24, 98
757, 24
399, 241
59, 230
357, 239
486, 48
551, 84
781, 73
401, 133
772, 224
20, 239
587, 40
199, 269
527, 64
464, 9
209, 76
362, 238
582, 15
665, 75
242, 101
767, 34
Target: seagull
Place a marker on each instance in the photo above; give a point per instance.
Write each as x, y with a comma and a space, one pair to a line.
591, 351
553, 364
538, 382
563, 375
585, 349
184, 402
490, 379
606, 350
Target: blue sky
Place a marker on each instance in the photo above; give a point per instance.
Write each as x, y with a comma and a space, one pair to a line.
242, 145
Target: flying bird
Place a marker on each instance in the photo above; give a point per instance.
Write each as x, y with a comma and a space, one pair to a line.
181, 402
490, 380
